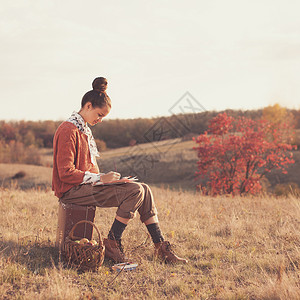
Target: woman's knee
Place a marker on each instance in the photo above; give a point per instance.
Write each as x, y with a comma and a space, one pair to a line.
138, 188
145, 186
133, 201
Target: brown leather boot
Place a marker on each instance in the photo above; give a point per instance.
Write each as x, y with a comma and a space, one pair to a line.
114, 250
163, 250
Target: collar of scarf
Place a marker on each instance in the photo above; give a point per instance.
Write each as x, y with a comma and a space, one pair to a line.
79, 122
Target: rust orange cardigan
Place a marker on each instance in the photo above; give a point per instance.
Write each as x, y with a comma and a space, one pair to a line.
71, 158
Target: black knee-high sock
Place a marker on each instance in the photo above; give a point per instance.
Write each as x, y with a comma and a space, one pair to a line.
116, 230
155, 232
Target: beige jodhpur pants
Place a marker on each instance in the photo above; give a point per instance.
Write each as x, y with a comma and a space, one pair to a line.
128, 197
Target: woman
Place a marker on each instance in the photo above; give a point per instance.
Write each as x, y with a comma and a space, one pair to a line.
77, 180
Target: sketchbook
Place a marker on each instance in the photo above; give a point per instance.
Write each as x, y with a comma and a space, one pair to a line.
124, 266
120, 181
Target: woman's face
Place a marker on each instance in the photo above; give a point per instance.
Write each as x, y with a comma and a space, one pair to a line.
95, 115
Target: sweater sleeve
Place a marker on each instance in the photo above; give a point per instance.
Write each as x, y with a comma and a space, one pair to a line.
66, 153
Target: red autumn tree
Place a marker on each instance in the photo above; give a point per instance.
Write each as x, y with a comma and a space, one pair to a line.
234, 154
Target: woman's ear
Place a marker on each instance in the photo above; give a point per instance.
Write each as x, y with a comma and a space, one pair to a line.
88, 105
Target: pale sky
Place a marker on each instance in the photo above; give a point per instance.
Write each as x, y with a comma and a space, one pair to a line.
232, 54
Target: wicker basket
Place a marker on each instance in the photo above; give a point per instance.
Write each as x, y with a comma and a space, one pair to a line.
85, 257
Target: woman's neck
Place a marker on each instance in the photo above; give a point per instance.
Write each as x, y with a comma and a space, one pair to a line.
81, 112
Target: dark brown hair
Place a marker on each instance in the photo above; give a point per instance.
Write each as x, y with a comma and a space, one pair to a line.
97, 99
100, 84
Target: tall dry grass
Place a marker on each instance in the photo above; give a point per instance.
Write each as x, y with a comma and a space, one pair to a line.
238, 248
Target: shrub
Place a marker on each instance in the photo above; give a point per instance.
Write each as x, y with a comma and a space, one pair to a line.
235, 154
101, 145
286, 189
17, 152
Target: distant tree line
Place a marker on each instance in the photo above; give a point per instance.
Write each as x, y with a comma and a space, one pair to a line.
20, 140
122, 132
29, 133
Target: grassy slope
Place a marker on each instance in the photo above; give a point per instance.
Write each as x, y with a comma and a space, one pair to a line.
35, 176
173, 163
170, 162
241, 248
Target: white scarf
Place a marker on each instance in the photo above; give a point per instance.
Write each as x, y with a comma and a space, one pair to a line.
79, 122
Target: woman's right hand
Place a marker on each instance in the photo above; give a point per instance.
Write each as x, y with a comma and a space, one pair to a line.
110, 176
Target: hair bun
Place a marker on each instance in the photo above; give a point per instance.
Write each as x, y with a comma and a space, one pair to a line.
99, 84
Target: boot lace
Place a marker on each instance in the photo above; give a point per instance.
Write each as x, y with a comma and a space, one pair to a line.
169, 247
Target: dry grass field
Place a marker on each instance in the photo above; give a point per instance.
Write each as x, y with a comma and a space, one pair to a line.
238, 248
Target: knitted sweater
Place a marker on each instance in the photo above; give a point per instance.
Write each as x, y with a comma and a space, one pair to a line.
71, 158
